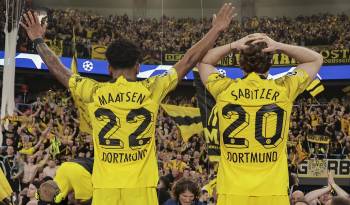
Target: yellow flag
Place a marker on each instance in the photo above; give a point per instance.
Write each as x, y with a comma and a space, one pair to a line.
98, 52
74, 67
5, 188
187, 119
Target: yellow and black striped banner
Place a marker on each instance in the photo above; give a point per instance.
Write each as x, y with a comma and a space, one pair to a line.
206, 104
315, 88
187, 119
320, 139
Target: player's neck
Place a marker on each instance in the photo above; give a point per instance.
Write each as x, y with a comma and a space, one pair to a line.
127, 74
264, 75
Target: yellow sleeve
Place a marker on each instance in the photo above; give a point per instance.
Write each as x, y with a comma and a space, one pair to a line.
296, 82
183, 166
217, 83
82, 88
161, 85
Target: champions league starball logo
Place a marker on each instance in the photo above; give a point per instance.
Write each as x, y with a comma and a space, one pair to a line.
222, 72
88, 66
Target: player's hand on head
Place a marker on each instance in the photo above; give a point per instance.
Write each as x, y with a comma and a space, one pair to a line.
272, 45
223, 18
241, 44
32, 25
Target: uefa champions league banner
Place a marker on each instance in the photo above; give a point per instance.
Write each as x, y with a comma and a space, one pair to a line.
100, 67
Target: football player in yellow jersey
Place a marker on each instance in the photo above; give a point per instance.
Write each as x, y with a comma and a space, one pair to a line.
254, 119
123, 112
74, 176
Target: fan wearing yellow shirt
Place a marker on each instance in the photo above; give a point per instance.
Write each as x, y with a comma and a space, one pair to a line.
254, 114
345, 123
178, 163
123, 112
74, 176
315, 121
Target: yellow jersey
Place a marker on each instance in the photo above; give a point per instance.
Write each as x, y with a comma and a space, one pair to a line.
123, 115
254, 115
314, 120
179, 165
84, 121
73, 177
344, 124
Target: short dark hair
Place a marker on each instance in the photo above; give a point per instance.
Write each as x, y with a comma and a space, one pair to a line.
36, 184
340, 201
252, 59
123, 54
165, 181
183, 185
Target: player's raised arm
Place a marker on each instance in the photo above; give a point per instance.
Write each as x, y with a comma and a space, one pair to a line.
340, 192
220, 23
317, 193
309, 60
35, 32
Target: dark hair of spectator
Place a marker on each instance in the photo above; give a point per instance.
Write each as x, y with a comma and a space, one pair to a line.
252, 59
340, 201
36, 184
123, 54
166, 182
47, 178
184, 185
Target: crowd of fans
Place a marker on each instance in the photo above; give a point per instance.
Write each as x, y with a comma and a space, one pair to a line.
329, 120
157, 37
52, 121
46, 133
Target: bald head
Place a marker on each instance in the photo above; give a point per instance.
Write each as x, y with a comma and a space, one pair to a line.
297, 196
301, 203
48, 190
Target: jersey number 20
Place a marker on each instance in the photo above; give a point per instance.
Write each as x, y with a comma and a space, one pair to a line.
230, 133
